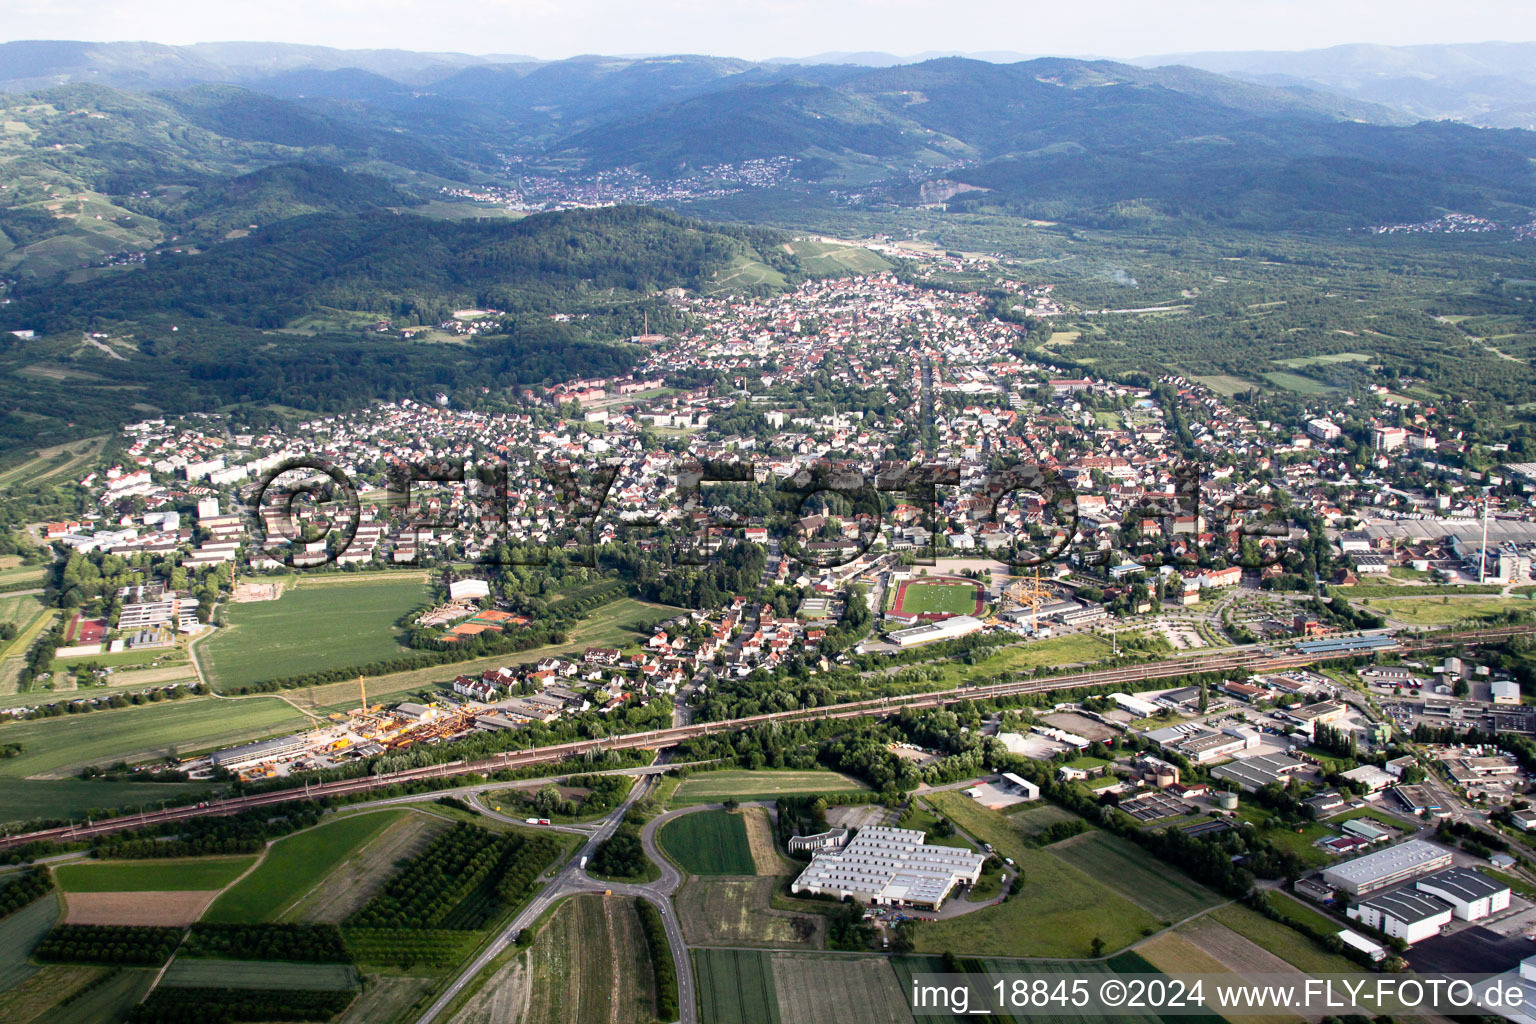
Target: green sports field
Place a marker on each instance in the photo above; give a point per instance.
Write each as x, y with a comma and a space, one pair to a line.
709, 843
183, 874
308, 629
920, 598
294, 865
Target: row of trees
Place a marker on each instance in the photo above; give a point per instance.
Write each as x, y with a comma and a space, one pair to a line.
304, 943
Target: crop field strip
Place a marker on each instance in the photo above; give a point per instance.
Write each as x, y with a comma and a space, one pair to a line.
21, 931
589, 963
709, 843
721, 911
294, 865
829, 987
172, 875
714, 787
199, 972
351, 883
736, 986
1122, 866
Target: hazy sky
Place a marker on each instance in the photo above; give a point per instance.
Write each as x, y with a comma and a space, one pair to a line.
759, 29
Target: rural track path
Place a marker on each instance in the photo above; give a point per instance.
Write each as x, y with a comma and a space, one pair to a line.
572, 879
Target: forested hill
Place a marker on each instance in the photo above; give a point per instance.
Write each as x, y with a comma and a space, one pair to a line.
196, 332
412, 269
88, 172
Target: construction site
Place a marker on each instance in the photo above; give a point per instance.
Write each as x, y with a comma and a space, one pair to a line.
364, 731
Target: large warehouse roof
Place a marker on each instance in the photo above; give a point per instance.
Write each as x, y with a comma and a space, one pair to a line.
890, 864
1394, 860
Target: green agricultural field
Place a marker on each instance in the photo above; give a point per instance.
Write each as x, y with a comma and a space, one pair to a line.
309, 629
1225, 384
107, 1003
48, 986
19, 933
1076, 649
939, 599
745, 275
1058, 913
713, 787
1298, 383
1135, 874
27, 799
183, 874
1286, 943
735, 986
709, 843
1432, 611
59, 747
1298, 912
839, 988
589, 963
833, 257
1335, 357
296, 864
198, 972
1038, 818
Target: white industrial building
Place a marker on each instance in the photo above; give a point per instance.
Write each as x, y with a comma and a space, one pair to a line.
952, 628
1472, 895
1028, 789
460, 590
1403, 914
1387, 867
1138, 706
891, 867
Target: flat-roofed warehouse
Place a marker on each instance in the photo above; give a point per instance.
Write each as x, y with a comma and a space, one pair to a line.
253, 753
890, 866
1403, 914
1472, 894
952, 628
1257, 772
1388, 867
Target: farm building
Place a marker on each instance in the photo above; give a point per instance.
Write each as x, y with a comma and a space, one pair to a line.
1388, 867
890, 867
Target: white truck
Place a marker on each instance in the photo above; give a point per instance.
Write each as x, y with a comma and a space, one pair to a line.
583, 863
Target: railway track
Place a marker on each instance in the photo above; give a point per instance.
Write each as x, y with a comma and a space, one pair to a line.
1257, 656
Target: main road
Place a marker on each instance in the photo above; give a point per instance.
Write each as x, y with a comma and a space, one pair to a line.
1252, 657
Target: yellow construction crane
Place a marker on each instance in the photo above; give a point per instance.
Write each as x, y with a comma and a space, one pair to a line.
1029, 593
